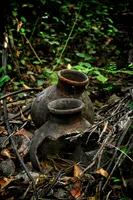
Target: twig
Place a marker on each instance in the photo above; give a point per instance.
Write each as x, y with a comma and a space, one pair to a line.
119, 158
52, 185
4, 63
71, 138
17, 92
26, 109
32, 49
26, 101
76, 18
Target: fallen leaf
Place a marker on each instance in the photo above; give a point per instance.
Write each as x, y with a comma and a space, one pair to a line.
77, 171
5, 181
2, 128
76, 190
19, 26
6, 152
26, 86
102, 172
92, 198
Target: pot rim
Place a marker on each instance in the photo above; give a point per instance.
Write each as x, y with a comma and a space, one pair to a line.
84, 78
56, 106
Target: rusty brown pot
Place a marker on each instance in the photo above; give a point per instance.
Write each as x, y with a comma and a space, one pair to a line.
71, 84
65, 119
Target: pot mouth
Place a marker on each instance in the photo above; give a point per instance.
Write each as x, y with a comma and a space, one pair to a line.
65, 106
73, 77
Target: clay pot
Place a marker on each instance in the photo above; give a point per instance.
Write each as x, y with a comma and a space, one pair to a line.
65, 119
71, 84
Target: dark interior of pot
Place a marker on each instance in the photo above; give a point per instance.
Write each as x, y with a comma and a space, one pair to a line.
66, 105
74, 75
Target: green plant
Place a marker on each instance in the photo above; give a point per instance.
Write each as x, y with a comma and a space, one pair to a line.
116, 180
4, 77
59, 28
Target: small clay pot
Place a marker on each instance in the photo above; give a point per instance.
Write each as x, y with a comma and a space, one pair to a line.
71, 84
65, 119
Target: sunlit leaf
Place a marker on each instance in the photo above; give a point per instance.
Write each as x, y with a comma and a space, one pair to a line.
4, 79
101, 78
40, 82
23, 19
102, 172
77, 171
36, 62
82, 55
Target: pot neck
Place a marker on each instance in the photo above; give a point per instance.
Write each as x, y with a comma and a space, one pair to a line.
69, 88
66, 119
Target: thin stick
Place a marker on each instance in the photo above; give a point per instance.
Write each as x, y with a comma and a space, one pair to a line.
4, 63
17, 92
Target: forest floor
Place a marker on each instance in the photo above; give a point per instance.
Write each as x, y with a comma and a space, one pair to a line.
102, 171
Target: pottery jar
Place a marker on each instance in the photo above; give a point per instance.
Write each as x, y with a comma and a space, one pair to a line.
65, 119
71, 84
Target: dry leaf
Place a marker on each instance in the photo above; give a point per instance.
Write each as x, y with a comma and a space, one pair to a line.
19, 25
76, 190
77, 171
5, 181
92, 198
6, 152
2, 128
102, 172
26, 86
18, 53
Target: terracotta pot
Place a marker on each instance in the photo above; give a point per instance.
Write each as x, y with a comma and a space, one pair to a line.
65, 119
71, 84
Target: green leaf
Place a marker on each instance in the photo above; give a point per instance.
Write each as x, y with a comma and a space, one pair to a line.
4, 79
124, 149
101, 78
110, 20
131, 105
56, 19
53, 78
2, 69
22, 30
88, 65
47, 72
82, 55
23, 62
54, 42
9, 67
78, 67
14, 13
67, 59
87, 57
36, 62
127, 72
23, 19
40, 82
116, 179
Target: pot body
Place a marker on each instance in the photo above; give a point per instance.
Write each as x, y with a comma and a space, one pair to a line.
65, 119
71, 84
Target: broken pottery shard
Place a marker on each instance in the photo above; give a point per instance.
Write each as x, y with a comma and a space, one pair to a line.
65, 118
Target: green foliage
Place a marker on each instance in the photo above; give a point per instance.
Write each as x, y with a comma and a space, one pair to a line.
17, 84
131, 105
3, 77
75, 33
115, 179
